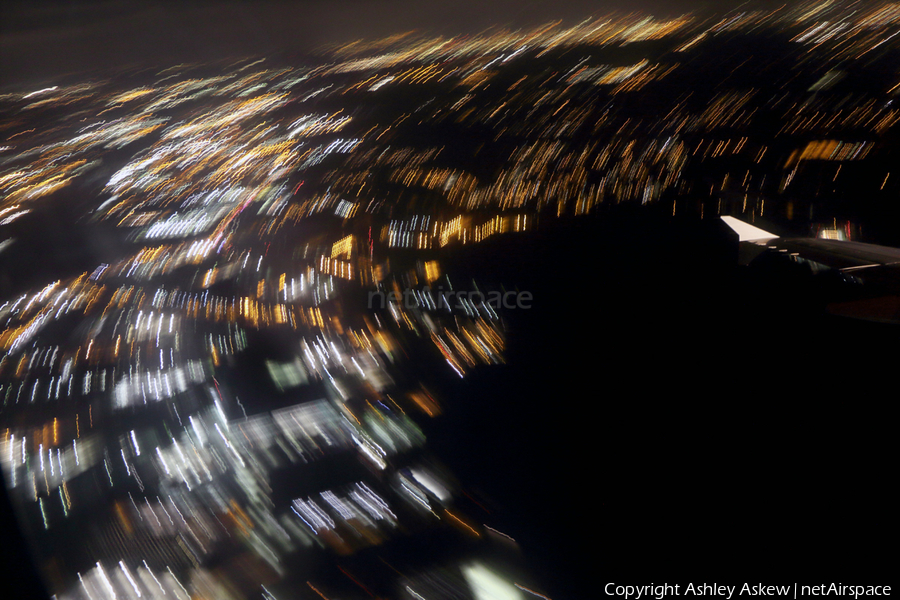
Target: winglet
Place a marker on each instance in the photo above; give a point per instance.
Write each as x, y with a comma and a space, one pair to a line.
747, 232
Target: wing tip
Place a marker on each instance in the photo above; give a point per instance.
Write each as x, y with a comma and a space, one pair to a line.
747, 232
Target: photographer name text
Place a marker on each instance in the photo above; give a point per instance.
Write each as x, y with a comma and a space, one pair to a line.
795, 590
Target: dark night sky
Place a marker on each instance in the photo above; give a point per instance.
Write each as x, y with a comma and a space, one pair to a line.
39, 40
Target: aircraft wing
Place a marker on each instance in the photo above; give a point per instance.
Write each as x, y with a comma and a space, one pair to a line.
863, 280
